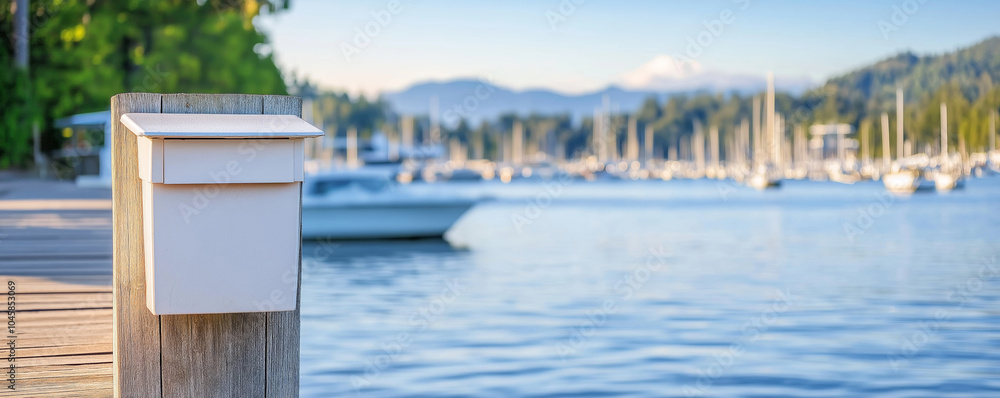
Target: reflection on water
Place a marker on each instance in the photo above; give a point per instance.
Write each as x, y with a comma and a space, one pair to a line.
690, 288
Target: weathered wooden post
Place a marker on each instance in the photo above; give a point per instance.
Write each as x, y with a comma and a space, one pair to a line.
197, 354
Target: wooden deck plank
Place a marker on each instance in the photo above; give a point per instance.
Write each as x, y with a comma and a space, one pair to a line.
59, 260
64, 284
71, 261
48, 372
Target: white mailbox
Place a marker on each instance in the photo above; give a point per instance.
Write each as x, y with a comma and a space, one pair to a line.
221, 205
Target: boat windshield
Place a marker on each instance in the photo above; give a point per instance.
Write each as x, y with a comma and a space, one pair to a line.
328, 185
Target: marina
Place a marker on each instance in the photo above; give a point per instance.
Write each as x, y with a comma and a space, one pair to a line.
511, 327
864, 272
304, 198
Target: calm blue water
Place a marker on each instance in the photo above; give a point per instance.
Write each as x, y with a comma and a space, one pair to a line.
689, 288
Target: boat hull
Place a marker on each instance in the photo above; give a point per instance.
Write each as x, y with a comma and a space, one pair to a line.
381, 220
901, 182
762, 182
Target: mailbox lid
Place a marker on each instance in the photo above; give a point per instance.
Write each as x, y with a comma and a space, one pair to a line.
194, 125
179, 148
220, 161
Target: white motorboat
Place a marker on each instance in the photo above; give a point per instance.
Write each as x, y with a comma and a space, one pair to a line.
371, 204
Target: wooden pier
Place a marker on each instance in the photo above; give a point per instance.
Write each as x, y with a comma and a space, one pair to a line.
55, 245
81, 326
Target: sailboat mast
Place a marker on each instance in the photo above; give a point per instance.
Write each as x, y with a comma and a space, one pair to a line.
479, 148
392, 145
745, 147
698, 147
779, 140
608, 139
993, 131
944, 133
517, 142
352, 147
841, 149
864, 142
800, 145
899, 122
407, 138
633, 139
770, 127
434, 137
648, 144
714, 140
755, 156
596, 140
886, 152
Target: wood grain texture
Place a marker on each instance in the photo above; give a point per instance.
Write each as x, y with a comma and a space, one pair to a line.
215, 355
136, 369
218, 355
234, 104
62, 350
63, 318
283, 327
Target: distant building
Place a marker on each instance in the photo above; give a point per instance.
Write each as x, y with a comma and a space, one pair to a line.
827, 140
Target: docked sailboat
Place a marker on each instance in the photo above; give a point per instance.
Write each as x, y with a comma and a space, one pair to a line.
947, 180
765, 175
762, 179
947, 177
901, 179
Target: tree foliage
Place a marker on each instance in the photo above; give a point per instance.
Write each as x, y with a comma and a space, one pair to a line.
85, 51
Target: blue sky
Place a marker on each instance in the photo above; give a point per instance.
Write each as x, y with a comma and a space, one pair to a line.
594, 43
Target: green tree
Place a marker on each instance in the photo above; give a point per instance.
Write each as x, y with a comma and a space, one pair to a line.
85, 51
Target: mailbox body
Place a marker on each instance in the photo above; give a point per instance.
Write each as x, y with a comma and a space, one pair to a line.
221, 198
